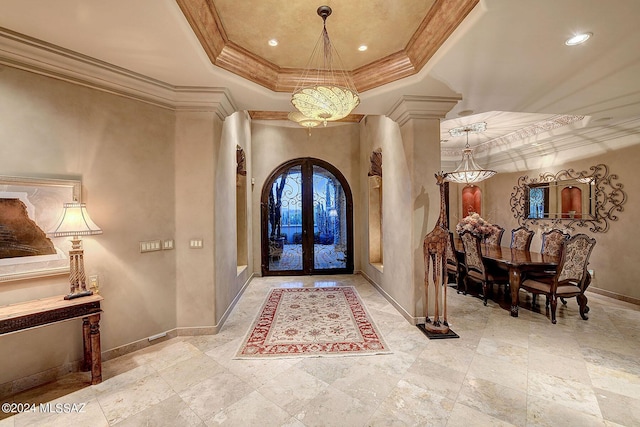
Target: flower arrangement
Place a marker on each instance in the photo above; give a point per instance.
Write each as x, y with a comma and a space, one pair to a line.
476, 225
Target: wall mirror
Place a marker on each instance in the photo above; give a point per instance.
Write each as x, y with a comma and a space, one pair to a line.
569, 199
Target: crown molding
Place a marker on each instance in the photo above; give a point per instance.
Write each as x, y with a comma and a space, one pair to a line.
410, 107
283, 115
211, 99
439, 23
39, 57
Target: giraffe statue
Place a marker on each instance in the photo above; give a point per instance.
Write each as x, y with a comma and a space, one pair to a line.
435, 250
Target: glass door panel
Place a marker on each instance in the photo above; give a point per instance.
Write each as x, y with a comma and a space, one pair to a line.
285, 221
329, 221
307, 216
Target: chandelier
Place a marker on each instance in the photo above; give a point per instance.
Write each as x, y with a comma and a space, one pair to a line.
325, 93
468, 171
302, 120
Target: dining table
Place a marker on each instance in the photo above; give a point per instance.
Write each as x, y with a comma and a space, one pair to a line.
517, 262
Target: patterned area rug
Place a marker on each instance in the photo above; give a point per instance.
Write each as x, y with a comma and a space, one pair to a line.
296, 322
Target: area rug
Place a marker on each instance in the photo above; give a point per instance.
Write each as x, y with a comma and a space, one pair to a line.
299, 322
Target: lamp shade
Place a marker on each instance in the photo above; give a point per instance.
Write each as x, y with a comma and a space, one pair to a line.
468, 171
75, 221
302, 120
326, 91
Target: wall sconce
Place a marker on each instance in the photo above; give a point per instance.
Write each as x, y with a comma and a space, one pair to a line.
75, 222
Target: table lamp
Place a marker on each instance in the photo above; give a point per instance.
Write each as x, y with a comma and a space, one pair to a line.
75, 222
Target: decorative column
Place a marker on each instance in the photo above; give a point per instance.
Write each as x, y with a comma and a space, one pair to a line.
419, 120
200, 118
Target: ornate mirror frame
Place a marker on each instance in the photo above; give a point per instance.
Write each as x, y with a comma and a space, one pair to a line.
608, 195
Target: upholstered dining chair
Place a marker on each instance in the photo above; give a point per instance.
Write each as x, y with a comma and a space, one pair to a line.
495, 238
552, 242
452, 259
476, 268
571, 277
521, 238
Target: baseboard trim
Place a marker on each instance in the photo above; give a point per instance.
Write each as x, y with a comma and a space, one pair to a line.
229, 309
411, 319
137, 345
614, 295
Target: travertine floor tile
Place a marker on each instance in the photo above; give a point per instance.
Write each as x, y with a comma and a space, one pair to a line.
501, 371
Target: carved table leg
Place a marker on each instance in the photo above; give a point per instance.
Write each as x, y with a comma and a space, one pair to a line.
86, 341
514, 283
96, 358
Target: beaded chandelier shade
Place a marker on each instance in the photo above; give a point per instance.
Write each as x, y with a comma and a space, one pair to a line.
468, 171
326, 91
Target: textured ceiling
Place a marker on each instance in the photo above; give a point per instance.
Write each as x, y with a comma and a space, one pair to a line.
407, 39
296, 26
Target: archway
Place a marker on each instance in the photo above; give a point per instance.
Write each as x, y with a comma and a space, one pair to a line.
307, 220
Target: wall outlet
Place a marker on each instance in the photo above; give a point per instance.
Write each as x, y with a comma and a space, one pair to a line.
592, 273
94, 283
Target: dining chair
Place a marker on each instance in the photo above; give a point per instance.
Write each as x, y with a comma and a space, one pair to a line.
475, 266
453, 265
571, 277
452, 260
495, 238
521, 238
552, 242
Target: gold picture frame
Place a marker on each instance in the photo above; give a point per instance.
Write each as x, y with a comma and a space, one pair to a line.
44, 199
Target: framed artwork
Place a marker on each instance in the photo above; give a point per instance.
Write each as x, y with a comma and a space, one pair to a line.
29, 208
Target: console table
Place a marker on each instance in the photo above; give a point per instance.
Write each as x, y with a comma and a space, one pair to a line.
46, 311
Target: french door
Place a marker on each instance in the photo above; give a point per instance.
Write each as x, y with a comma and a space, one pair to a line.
307, 220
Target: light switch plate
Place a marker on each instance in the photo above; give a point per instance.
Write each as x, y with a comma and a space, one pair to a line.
151, 246
195, 243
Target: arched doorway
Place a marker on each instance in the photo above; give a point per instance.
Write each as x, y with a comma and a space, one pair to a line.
307, 220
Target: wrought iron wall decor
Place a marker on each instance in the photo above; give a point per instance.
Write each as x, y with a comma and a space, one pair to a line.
599, 199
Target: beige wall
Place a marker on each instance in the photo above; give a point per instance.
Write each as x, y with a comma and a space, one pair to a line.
197, 145
410, 207
338, 145
124, 153
396, 280
148, 173
228, 280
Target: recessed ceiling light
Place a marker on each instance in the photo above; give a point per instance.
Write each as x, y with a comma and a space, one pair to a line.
362, 48
578, 39
273, 42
